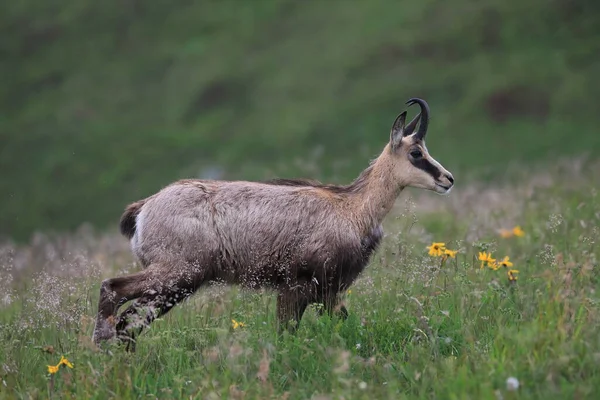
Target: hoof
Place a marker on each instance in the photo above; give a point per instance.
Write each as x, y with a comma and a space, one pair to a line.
342, 312
104, 331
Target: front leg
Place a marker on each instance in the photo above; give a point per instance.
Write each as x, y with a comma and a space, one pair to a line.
291, 305
334, 307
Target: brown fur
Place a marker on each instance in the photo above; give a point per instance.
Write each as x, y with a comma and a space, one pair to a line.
307, 240
337, 189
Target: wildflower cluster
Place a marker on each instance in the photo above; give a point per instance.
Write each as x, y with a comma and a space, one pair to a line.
52, 369
487, 260
438, 249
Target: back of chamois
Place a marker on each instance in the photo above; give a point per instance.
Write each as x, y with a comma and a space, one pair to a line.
306, 240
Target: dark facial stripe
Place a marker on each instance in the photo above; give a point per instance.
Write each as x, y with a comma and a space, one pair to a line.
428, 167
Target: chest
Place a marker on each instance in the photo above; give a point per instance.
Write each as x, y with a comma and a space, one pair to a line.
371, 242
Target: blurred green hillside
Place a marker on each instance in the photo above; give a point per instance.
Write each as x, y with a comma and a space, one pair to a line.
102, 103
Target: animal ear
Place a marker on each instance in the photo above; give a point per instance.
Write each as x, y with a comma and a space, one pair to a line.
410, 128
398, 130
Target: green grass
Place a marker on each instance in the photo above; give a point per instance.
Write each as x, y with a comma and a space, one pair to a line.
102, 103
417, 328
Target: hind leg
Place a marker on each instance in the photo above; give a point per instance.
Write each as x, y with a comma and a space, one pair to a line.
145, 310
115, 292
158, 281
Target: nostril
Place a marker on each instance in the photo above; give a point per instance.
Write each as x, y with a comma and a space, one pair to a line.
450, 178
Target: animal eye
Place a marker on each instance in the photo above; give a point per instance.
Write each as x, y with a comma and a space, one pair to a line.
416, 154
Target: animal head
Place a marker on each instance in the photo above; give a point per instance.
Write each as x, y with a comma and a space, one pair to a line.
412, 164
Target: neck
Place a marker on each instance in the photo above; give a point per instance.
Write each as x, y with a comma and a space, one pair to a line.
374, 192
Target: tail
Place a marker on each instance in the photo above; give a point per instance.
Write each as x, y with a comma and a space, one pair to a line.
128, 219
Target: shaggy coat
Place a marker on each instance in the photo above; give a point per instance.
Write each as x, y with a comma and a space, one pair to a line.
306, 240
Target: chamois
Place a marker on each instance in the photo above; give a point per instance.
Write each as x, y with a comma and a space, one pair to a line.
306, 240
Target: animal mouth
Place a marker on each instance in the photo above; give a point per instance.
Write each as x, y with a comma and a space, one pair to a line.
444, 187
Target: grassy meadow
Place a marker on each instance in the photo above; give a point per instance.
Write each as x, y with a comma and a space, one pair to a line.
420, 326
104, 103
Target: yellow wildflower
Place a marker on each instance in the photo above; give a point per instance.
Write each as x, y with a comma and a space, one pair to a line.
511, 274
506, 262
436, 249
237, 324
494, 266
64, 361
517, 231
505, 233
487, 258
52, 369
450, 253
349, 291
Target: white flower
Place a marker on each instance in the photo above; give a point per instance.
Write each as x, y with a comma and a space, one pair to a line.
512, 384
362, 385
357, 346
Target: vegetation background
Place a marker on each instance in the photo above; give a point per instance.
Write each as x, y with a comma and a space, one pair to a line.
103, 103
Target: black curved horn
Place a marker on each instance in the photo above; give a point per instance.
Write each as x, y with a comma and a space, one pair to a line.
424, 116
